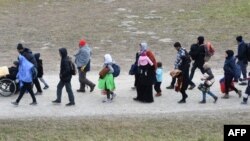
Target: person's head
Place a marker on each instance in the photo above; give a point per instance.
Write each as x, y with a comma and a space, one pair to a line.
63, 52
143, 46
206, 66
177, 45
229, 53
200, 40
159, 65
239, 39
15, 63
82, 43
20, 48
107, 59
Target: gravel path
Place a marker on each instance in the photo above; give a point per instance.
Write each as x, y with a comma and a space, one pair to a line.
89, 104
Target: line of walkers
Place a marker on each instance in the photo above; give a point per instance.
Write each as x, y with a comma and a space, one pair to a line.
146, 69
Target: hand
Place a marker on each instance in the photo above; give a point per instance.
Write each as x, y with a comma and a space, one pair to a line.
82, 68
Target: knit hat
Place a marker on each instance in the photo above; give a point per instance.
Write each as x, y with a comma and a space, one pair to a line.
230, 53
239, 38
82, 43
19, 46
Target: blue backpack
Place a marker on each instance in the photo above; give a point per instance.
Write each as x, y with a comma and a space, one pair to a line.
116, 70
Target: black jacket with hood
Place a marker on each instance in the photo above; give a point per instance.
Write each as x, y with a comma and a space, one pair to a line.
27, 53
39, 65
65, 69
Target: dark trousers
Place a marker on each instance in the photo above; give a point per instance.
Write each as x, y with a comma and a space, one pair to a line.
83, 80
157, 87
24, 88
136, 80
185, 83
228, 81
243, 67
194, 67
37, 84
60, 86
173, 81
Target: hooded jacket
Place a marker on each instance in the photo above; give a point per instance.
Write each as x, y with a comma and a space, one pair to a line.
65, 69
242, 55
27, 53
82, 57
24, 70
229, 64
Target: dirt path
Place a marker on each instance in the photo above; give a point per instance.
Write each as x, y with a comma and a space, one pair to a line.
89, 104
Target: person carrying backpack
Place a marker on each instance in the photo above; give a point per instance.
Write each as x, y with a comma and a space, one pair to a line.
65, 79
229, 73
106, 80
40, 70
242, 58
82, 61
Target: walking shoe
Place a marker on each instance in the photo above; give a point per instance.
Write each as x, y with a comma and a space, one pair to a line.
215, 99
106, 100
158, 94
239, 93
33, 103
70, 104
46, 87
182, 101
113, 95
56, 101
226, 96
38, 93
170, 87
191, 87
14, 103
92, 88
243, 83
80, 91
243, 103
202, 102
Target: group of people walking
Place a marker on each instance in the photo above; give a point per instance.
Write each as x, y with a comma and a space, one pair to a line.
147, 71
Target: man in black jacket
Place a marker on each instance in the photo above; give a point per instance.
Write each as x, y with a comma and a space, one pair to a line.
242, 58
65, 78
27, 53
197, 53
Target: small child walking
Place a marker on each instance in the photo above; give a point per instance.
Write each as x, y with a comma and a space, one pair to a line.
205, 87
247, 92
106, 81
40, 70
159, 74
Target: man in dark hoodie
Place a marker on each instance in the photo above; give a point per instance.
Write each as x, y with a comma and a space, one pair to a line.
229, 73
197, 53
27, 53
65, 78
242, 58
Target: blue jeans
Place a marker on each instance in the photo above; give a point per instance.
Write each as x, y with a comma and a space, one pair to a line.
68, 89
209, 93
243, 67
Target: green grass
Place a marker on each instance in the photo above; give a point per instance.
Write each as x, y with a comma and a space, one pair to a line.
170, 128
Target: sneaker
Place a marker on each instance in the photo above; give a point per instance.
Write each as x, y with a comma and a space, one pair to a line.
113, 95
70, 104
107, 101
33, 103
191, 87
56, 101
38, 93
239, 93
226, 96
202, 102
92, 88
80, 91
182, 101
243, 103
170, 87
215, 99
46, 87
14, 103
158, 94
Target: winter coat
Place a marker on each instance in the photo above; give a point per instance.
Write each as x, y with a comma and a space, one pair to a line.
242, 55
197, 53
39, 65
27, 53
229, 66
65, 68
82, 57
24, 70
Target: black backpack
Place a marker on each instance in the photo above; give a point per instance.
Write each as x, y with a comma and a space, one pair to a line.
72, 67
248, 51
